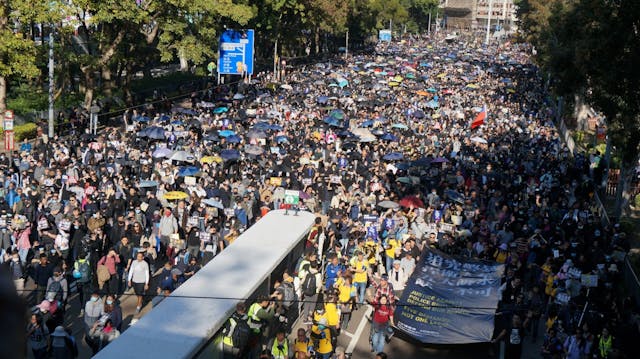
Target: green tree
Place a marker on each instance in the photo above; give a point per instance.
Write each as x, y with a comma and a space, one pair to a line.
18, 52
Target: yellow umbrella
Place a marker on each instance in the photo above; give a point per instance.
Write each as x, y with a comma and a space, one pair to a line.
175, 195
442, 75
211, 159
398, 79
511, 91
393, 84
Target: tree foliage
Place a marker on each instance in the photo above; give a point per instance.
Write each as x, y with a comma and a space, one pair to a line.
593, 47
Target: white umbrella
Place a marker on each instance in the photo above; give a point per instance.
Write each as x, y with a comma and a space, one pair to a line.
388, 204
213, 203
478, 140
182, 156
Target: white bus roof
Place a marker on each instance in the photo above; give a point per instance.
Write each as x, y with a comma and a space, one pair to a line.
183, 322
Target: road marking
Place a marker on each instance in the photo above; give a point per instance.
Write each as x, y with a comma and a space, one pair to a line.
346, 333
359, 330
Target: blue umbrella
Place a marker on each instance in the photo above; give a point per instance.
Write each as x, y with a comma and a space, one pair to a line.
282, 139
238, 96
188, 171
147, 184
186, 111
367, 123
343, 82
389, 137
229, 154
213, 203
337, 114
220, 110
400, 126
263, 126
153, 132
323, 100
425, 64
418, 114
177, 123
432, 90
162, 152
226, 133
347, 134
332, 121
254, 133
393, 156
234, 139
403, 166
211, 137
276, 128
433, 104
164, 118
141, 119
422, 162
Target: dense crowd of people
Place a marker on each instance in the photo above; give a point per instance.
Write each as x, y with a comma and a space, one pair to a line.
381, 147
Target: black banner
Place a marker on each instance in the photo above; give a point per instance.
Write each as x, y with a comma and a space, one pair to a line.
450, 300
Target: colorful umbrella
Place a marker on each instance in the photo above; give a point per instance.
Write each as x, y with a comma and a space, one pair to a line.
175, 195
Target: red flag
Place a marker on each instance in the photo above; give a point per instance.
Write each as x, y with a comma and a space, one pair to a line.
479, 120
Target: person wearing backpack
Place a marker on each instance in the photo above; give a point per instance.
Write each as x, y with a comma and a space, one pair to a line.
82, 274
236, 334
18, 272
310, 288
57, 287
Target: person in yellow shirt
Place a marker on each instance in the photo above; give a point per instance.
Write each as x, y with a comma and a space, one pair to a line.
333, 316
393, 244
302, 345
321, 333
346, 297
360, 268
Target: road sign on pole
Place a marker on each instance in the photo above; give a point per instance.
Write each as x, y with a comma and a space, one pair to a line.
384, 35
7, 124
236, 52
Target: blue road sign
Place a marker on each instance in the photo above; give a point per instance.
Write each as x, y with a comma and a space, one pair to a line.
236, 52
384, 35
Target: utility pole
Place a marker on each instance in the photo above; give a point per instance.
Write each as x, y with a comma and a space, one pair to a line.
391, 26
486, 39
346, 49
275, 61
429, 25
51, 85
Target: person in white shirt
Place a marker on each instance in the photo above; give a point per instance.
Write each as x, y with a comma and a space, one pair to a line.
139, 278
398, 277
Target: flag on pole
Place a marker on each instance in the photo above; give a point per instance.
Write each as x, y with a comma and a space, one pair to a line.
479, 120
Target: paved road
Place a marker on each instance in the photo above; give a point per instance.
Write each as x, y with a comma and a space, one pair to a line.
74, 320
355, 339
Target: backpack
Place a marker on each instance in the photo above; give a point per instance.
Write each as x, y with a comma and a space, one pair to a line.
54, 291
84, 269
167, 279
289, 294
240, 332
309, 287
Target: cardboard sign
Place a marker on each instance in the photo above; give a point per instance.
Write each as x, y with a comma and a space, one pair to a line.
275, 181
335, 179
192, 221
190, 181
307, 181
446, 227
64, 225
291, 197
43, 224
229, 212
589, 280
205, 236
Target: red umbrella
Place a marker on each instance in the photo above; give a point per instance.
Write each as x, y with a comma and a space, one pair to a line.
411, 201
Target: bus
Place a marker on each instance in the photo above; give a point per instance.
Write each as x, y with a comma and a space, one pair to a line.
188, 323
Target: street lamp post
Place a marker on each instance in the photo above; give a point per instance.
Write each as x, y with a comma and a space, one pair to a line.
486, 39
51, 85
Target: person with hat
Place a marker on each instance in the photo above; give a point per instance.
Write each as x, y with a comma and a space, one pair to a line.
63, 346
398, 277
